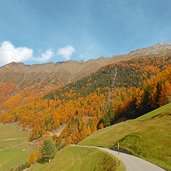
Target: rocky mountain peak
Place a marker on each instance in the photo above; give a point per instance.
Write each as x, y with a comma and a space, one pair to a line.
156, 49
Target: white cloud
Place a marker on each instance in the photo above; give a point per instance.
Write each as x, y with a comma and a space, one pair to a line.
46, 56
66, 52
10, 53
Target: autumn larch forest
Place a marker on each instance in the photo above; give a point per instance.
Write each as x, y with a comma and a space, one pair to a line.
115, 92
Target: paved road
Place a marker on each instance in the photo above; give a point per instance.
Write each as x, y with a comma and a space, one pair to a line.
131, 163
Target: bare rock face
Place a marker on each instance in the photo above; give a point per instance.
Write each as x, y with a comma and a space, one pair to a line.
162, 49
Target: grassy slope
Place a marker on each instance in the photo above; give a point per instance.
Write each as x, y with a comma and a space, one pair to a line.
14, 149
148, 137
79, 159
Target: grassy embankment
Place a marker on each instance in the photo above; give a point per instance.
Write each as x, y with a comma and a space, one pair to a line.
148, 136
80, 159
14, 147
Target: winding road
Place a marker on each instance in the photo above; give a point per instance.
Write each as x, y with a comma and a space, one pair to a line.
131, 163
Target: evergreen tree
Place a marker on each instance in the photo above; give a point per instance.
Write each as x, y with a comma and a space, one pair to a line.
48, 150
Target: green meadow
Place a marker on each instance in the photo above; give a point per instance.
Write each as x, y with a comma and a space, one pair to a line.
148, 137
14, 146
80, 159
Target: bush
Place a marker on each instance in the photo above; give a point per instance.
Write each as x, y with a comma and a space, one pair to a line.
21, 167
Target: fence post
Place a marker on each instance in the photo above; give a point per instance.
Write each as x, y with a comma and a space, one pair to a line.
118, 155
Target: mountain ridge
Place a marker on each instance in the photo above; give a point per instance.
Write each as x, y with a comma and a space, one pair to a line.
157, 46
155, 49
18, 79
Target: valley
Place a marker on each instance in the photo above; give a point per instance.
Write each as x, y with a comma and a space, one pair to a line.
101, 103
85, 85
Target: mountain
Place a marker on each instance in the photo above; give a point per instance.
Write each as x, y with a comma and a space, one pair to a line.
23, 83
121, 90
28, 82
159, 49
45, 103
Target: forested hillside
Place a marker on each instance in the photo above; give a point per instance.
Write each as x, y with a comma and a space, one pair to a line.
20, 83
121, 90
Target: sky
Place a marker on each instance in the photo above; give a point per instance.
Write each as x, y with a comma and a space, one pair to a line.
40, 31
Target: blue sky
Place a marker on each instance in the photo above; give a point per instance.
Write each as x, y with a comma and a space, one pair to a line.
37, 31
